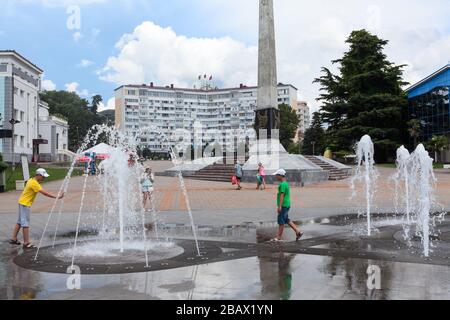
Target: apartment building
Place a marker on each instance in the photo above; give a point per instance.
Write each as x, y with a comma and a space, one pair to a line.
159, 111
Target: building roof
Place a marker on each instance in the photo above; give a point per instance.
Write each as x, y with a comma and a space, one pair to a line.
433, 80
173, 88
18, 55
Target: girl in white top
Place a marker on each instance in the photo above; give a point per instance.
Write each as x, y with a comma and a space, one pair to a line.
147, 186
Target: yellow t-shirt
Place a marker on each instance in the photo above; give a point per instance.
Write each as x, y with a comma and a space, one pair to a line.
29, 193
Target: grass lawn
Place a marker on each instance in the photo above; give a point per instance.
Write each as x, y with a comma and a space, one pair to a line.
55, 174
393, 165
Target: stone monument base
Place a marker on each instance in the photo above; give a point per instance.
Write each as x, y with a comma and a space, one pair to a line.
270, 152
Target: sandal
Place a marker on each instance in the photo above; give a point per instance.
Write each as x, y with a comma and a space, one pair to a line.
275, 240
299, 236
29, 246
15, 242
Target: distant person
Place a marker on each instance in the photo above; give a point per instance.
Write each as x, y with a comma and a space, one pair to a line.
238, 172
284, 205
147, 187
26, 200
261, 177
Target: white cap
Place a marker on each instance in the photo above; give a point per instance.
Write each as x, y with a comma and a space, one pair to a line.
42, 172
280, 172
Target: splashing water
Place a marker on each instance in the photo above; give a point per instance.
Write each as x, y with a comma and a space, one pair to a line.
119, 186
91, 137
366, 171
120, 217
402, 180
186, 198
422, 182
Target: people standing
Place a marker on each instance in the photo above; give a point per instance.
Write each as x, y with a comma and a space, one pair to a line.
26, 200
238, 172
261, 177
284, 206
147, 181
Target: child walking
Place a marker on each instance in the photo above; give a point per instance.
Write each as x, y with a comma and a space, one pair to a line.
284, 205
261, 178
147, 187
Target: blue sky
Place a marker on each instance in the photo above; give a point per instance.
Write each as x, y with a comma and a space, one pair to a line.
135, 41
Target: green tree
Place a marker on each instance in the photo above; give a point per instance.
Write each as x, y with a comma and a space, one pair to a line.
365, 98
437, 144
295, 147
314, 142
108, 116
289, 125
75, 110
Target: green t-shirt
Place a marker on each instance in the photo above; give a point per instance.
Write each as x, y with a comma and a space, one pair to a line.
284, 188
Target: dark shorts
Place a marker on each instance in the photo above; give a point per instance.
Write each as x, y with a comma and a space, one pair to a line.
283, 217
239, 179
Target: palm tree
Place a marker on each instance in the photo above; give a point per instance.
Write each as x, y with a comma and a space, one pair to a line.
415, 130
438, 144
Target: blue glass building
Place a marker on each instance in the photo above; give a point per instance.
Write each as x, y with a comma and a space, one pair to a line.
429, 103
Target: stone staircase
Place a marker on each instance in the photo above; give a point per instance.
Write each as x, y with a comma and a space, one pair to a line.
216, 172
335, 173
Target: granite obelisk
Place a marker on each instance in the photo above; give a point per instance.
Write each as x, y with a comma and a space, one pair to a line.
267, 115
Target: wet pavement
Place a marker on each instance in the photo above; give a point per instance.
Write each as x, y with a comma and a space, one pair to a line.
331, 262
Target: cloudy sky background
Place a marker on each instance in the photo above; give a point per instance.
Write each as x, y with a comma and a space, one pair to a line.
165, 42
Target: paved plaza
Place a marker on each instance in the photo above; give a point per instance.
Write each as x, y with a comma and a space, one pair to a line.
233, 227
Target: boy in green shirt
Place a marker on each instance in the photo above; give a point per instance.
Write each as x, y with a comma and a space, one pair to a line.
284, 205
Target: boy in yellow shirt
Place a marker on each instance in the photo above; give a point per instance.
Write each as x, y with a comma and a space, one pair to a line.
26, 200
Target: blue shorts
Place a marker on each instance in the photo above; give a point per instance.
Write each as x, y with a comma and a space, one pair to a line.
283, 217
24, 216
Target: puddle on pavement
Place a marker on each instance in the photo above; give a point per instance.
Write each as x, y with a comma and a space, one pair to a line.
265, 276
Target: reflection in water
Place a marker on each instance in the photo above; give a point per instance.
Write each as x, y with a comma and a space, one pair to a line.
354, 275
15, 284
274, 270
276, 276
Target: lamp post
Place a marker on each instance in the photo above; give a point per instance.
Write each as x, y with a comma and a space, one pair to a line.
13, 122
314, 147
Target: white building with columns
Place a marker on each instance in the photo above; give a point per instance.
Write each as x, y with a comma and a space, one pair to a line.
55, 131
20, 83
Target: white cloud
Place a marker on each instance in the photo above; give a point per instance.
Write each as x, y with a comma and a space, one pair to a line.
48, 85
63, 3
84, 63
309, 36
73, 87
153, 53
110, 105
